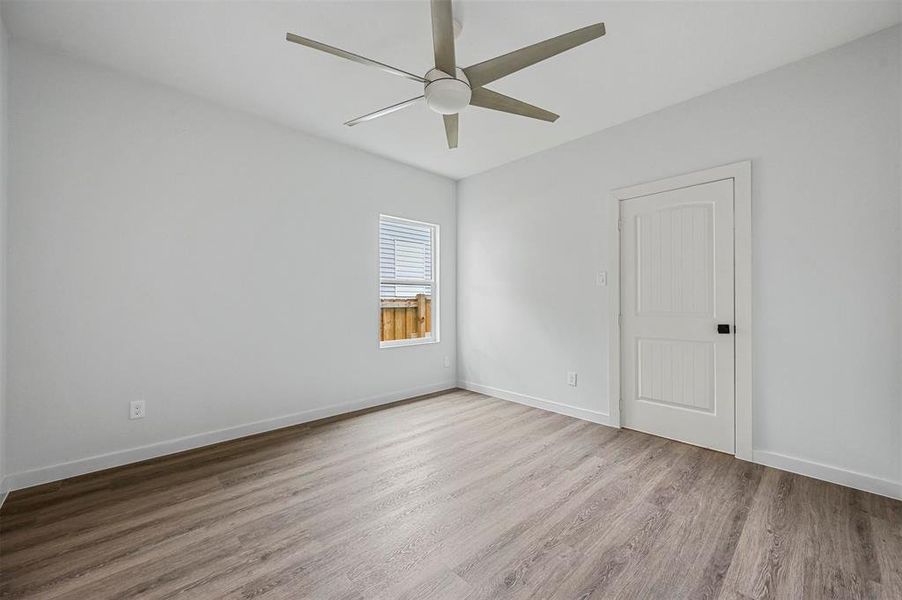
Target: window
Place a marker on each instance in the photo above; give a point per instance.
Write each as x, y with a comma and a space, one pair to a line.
408, 282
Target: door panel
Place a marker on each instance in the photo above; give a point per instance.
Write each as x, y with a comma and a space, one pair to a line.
676, 373
675, 261
676, 287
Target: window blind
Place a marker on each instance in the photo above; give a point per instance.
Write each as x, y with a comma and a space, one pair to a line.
405, 252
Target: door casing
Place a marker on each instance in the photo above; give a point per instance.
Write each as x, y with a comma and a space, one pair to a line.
741, 174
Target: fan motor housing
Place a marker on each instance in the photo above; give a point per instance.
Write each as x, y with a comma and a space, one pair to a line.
446, 94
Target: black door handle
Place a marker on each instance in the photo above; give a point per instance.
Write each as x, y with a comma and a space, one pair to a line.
723, 328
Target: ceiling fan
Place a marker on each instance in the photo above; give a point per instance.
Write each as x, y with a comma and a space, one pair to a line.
448, 89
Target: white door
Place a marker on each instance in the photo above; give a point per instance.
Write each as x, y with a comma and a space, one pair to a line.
676, 295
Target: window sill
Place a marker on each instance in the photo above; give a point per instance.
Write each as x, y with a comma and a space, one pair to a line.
408, 342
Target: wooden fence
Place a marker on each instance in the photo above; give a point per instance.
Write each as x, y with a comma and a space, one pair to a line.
405, 318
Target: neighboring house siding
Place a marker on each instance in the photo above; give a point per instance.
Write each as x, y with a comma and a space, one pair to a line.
405, 252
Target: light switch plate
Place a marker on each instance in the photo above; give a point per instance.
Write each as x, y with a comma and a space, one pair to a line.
601, 278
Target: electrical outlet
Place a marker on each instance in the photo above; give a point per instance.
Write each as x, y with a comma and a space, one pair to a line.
136, 409
601, 278
571, 378
447, 362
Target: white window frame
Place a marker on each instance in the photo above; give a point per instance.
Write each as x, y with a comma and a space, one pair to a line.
433, 284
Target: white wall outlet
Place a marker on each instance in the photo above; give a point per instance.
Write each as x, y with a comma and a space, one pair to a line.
136, 409
601, 278
447, 362
571, 378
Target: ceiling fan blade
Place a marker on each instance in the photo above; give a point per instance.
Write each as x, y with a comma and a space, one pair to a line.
384, 111
488, 99
451, 122
443, 37
500, 66
351, 56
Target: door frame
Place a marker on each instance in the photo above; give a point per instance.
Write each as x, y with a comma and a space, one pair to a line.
741, 174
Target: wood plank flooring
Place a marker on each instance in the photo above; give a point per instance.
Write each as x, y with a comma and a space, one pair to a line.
456, 496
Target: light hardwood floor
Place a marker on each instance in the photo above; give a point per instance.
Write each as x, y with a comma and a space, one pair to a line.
456, 496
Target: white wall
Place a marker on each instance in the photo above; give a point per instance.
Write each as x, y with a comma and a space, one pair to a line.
3, 178
823, 135
899, 67
220, 267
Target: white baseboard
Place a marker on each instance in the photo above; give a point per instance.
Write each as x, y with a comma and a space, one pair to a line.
24, 479
16, 481
564, 409
852, 479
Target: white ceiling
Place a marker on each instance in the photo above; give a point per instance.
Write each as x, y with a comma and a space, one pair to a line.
654, 54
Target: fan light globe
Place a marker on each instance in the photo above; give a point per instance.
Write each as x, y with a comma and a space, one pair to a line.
445, 94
